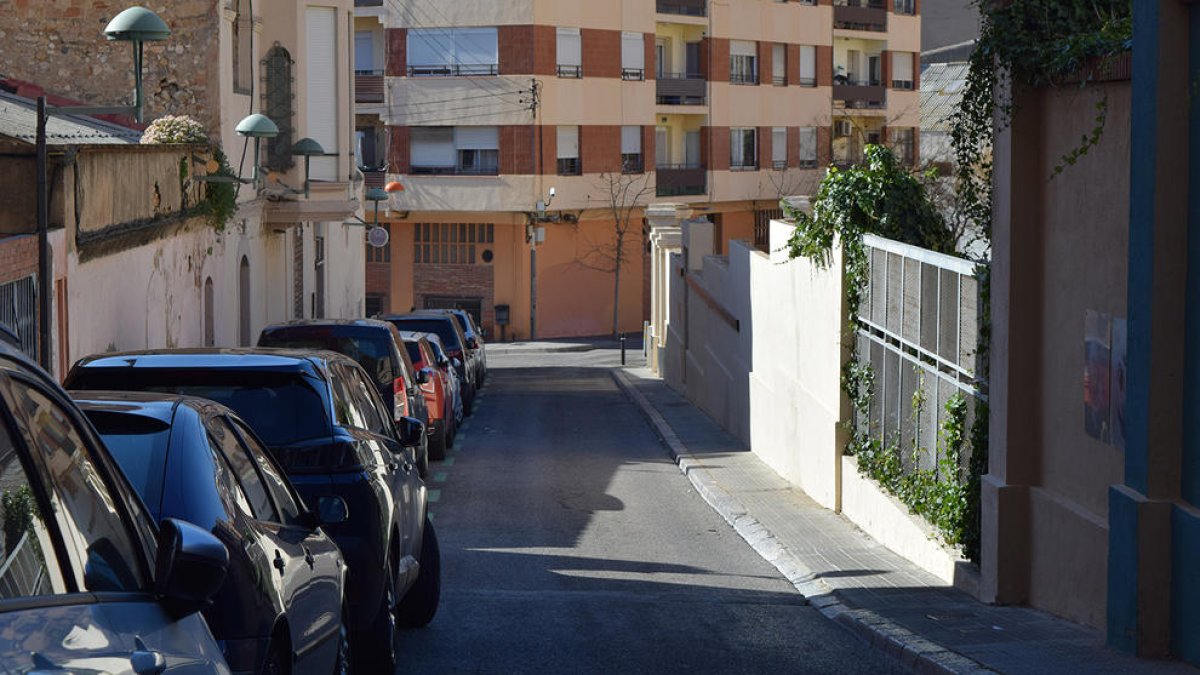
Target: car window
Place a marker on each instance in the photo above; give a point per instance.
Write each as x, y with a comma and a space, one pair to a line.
443, 328
86, 510
427, 351
414, 353
373, 352
345, 409
28, 565
247, 475
276, 483
367, 403
139, 444
226, 480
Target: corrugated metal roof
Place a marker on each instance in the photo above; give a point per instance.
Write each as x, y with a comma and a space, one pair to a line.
18, 120
942, 87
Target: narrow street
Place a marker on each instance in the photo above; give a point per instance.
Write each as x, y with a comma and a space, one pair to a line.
571, 543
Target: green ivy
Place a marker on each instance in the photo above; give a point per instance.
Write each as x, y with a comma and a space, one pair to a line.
220, 199
19, 509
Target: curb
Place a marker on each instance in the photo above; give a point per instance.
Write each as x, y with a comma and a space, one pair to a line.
910, 649
565, 349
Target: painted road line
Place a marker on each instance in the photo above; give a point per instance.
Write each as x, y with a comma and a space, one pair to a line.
439, 477
434, 496
449, 461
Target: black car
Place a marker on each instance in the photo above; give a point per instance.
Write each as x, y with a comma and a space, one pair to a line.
378, 348
322, 419
88, 585
453, 340
194, 460
476, 350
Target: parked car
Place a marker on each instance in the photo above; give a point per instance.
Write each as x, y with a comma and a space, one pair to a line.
281, 609
453, 340
376, 346
449, 367
323, 420
439, 391
475, 345
88, 583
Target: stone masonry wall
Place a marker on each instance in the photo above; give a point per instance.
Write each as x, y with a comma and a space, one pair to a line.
59, 45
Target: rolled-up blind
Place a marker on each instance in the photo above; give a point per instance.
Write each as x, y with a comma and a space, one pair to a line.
808, 62
570, 49
633, 51
631, 140
477, 138
743, 48
902, 66
568, 142
432, 146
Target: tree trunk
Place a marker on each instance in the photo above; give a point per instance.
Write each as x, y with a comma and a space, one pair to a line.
616, 325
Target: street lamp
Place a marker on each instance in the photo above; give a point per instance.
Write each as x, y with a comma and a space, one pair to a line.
137, 25
307, 148
257, 126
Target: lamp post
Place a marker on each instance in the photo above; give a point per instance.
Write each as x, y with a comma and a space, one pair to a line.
136, 25
257, 126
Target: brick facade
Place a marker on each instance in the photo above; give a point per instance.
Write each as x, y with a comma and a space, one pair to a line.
718, 59
527, 50
601, 52
764, 147
824, 146
398, 150
714, 146
824, 65
457, 281
650, 56
792, 63
18, 257
600, 148
766, 62
397, 52
793, 147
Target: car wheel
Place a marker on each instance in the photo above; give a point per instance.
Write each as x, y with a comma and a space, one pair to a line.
374, 650
342, 667
438, 444
420, 604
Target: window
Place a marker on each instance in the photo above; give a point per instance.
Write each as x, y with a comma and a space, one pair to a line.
455, 150
452, 52
364, 53
808, 147
779, 64
743, 148
633, 56
277, 104
324, 110
631, 150
29, 567
743, 66
450, 243
243, 467
87, 513
902, 70
367, 400
243, 56
570, 53
382, 254
905, 6
568, 151
903, 145
779, 148
808, 66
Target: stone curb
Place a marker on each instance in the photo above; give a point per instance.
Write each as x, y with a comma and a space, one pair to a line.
910, 649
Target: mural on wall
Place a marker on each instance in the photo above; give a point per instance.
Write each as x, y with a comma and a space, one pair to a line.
1105, 345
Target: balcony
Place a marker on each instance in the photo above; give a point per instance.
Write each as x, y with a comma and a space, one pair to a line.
681, 89
368, 86
683, 7
453, 69
860, 15
680, 180
859, 94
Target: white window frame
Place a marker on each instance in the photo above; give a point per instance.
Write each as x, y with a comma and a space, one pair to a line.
779, 147
737, 148
808, 66
449, 52
569, 52
808, 147
633, 56
567, 150
743, 62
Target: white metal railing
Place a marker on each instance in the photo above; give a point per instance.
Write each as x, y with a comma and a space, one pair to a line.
22, 573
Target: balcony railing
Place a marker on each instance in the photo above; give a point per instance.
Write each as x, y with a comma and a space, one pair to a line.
743, 78
453, 69
681, 89
860, 95
860, 15
455, 170
680, 180
633, 74
569, 166
683, 7
570, 72
368, 86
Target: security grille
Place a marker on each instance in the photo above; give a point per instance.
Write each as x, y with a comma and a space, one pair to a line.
18, 312
277, 98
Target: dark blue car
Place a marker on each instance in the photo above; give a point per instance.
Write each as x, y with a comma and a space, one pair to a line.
86, 583
321, 417
281, 609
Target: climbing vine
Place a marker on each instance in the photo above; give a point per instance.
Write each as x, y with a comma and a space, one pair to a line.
220, 198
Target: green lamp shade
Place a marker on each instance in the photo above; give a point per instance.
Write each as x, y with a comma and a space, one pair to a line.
307, 147
257, 125
137, 24
376, 195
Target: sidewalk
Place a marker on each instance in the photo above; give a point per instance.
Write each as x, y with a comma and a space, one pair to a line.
888, 601
633, 344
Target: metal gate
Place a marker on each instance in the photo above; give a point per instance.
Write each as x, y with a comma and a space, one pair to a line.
18, 312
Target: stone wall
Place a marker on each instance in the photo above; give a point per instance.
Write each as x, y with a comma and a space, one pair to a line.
60, 45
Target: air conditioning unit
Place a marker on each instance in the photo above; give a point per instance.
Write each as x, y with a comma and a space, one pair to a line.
841, 128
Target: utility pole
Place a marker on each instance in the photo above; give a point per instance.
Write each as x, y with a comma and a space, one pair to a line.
535, 99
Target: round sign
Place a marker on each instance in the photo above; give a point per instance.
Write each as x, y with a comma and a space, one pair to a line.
377, 237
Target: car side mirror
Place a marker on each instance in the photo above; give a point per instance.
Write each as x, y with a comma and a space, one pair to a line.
411, 431
472, 343
457, 364
423, 376
190, 567
332, 510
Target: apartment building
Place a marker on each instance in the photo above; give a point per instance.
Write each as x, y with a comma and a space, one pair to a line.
518, 125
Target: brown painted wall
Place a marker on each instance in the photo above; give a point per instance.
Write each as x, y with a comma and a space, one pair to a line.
718, 59
765, 63
793, 64
601, 52
714, 147
600, 148
824, 145
527, 50
764, 148
824, 65
397, 52
649, 60
793, 147
398, 150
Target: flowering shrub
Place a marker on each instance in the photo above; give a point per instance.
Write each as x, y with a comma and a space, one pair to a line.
174, 129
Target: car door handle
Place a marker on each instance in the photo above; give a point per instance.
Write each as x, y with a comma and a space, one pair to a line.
145, 661
308, 558
279, 564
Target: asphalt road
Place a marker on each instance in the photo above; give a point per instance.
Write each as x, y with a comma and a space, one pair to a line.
571, 544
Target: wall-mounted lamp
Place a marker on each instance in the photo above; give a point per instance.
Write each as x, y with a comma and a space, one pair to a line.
307, 148
257, 126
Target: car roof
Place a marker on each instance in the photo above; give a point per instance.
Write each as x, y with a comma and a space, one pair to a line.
160, 406
311, 362
414, 335
366, 325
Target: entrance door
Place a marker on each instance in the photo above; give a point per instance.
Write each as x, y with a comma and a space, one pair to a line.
692, 51
691, 149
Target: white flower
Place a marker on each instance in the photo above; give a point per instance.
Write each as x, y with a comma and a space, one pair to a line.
174, 129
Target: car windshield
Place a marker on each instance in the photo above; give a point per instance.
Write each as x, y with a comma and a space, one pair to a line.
282, 408
139, 444
414, 352
372, 352
440, 327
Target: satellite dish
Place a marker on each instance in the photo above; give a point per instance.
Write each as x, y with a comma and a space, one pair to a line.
377, 237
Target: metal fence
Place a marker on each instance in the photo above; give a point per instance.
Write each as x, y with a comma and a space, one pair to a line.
18, 311
23, 574
919, 321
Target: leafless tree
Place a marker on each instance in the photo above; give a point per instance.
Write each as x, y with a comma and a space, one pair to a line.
622, 197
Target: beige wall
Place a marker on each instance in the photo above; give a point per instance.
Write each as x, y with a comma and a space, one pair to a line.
772, 21
424, 13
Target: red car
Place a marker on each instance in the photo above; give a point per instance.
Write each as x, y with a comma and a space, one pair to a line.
437, 393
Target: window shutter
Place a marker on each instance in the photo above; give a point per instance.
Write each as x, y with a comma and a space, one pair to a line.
429, 47
902, 66
364, 50
808, 144
743, 48
321, 92
631, 140
633, 51
570, 49
477, 138
778, 62
432, 146
808, 63
568, 142
476, 47
778, 144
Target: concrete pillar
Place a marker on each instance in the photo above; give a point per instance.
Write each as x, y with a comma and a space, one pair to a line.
665, 239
